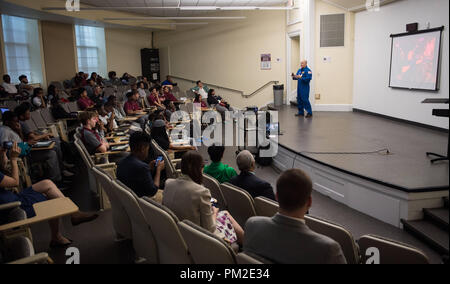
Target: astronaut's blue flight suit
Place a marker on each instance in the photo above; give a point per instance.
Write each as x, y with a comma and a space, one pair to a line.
303, 91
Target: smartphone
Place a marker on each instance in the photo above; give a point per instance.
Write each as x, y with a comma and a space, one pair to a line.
7, 145
214, 202
159, 159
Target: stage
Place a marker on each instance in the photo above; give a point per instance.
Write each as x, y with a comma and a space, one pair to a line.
338, 150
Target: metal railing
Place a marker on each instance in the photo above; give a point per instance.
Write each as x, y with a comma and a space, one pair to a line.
230, 89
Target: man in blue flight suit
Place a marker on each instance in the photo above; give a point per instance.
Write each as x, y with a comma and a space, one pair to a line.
304, 76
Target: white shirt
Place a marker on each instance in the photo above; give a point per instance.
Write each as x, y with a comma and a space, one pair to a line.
9, 88
142, 93
105, 118
203, 93
37, 101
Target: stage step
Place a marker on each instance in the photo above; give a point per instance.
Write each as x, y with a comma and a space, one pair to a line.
438, 216
429, 233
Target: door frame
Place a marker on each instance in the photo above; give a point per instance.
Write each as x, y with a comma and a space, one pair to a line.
289, 82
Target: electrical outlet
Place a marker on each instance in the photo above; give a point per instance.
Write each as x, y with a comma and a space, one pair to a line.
317, 96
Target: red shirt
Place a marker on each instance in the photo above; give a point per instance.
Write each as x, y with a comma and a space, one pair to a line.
170, 97
131, 106
85, 103
152, 99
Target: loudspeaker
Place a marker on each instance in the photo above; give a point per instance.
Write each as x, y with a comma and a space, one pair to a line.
150, 64
411, 28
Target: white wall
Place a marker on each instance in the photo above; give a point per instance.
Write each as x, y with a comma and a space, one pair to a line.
372, 60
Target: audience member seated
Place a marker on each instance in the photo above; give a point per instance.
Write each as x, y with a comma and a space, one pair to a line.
141, 89
136, 173
39, 192
248, 180
24, 88
90, 88
201, 89
169, 82
218, 170
153, 98
113, 80
159, 134
107, 118
58, 111
90, 137
9, 88
126, 78
11, 131
38, 98
118, 110
132, 107
190, 200
52, 92
166, 90
170, 109
146, 83
97, 96
84, 102
285, 238
198, 100
221, 105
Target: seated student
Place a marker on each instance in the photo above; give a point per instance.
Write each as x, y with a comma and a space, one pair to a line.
97, 96
167, 94
113, 80
169, 82
170, 109
57, 109
107, 119
126, 78
38, 98
52, 91
141, 89
248, 180
285, 238
24, 88
11, 131
221, 105
159, 134
9, 88
84, 102
218, 170
132, 106
201, 89
190, 200
135, 173
24, 115
90, 137
198, 100
146, 83
39, 192
153, 98
90, 88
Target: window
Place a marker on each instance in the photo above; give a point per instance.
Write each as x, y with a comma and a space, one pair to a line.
91, 51
332, 30
22, 48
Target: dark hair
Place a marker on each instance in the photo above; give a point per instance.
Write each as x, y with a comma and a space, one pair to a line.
111, 99
23, 108
8, 116
197, 97
84, 116
22, 77
139, 139
80, 91
294, 188
36, 91
198, 82
132, 93
6, 76
216, 153
112, 74
192, 165
51, 90
210, 92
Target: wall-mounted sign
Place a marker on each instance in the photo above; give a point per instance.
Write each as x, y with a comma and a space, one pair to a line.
266, 62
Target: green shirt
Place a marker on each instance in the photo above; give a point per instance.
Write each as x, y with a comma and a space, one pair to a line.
221, 172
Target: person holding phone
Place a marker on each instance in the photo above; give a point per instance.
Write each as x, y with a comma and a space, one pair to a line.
38, 192
136, 173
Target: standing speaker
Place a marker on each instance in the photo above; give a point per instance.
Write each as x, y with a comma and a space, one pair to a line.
150, 64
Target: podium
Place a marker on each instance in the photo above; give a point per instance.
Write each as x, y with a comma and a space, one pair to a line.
439, 113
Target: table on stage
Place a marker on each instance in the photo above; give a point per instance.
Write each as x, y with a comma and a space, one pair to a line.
439, 113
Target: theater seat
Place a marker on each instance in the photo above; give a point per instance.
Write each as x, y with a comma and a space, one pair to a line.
120, 219
337, 233
143, 240
266, 207
171, 170
172, 248
20, 250
247, 258
390, 252
240, 203
216, 192
205, 247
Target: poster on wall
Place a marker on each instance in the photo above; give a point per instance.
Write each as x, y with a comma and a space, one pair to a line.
266, 62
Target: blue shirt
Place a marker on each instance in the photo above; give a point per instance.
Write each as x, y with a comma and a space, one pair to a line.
136, 174
167, 82
306, 76
6, 196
